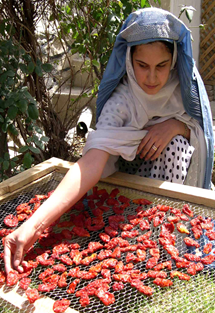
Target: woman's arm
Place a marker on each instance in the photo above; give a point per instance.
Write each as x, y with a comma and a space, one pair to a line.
80, 178
159, 135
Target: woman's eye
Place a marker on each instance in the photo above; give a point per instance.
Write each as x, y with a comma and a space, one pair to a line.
142, 65
161, 65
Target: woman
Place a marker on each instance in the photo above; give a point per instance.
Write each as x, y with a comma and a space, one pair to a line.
127, 137
182, 98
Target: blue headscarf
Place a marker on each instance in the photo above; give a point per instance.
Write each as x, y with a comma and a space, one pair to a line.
152, 24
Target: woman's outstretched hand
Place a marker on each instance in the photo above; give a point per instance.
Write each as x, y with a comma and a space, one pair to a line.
82, 176
17, 244
158, 137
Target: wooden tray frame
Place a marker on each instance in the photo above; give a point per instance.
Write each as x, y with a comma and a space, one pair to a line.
181, 192
31, 176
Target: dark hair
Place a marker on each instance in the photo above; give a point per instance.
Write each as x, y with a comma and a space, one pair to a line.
169, 46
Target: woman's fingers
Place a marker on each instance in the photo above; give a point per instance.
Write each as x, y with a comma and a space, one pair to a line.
16, 244
18, 257
149, 148
12, 255
158, 136
152, 153
7, 257
143, 145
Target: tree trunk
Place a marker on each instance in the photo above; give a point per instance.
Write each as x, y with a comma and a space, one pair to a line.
3, 150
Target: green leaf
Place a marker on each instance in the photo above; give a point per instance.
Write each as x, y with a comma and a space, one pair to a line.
188, 12
30, 128
6, 165
127, 9
13, 130
34, 150
35, 138
38, 129
10, 82
189, 15
28, 120
27, 58
96, 63
8, 102
10, 73
47, 67
44, 139
30, 67
38, 71
29, 140
29, 97
40, 145
23, 149
12, 112
4, 126
23, 105
23, 68
6, 156
202, 26
2, 28
27, 160
111, 37
33, 111
38, 62
14, 159
3, 78
142, 3
13, 164
1, 119
51, 18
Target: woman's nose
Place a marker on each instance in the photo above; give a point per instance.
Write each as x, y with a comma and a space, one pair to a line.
152, 76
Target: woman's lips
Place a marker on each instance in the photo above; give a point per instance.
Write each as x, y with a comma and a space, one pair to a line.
151, 87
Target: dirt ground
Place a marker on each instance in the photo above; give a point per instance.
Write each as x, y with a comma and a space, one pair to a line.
77, 148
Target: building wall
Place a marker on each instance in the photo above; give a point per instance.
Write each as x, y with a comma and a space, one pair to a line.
175, 6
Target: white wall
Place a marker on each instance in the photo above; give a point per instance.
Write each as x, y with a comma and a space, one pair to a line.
175, 6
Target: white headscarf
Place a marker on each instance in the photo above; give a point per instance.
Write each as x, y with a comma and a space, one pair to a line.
166, 102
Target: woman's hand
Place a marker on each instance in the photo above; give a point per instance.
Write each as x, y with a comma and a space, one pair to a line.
17, 244
158, 137
82, 176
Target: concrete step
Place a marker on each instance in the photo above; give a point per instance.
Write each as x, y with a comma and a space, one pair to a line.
78, 76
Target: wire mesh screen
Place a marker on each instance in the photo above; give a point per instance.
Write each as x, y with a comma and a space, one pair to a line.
195, 295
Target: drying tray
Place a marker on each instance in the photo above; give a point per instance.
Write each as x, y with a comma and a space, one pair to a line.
46, 176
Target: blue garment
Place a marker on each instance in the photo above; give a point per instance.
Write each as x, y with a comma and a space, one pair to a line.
152, 24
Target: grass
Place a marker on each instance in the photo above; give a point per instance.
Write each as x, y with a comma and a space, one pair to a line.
196, 295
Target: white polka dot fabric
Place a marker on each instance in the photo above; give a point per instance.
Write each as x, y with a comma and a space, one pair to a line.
172, 165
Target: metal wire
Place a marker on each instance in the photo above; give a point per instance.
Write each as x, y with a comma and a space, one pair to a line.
197, 295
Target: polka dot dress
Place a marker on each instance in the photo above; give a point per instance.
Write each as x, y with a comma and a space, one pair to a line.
172, 164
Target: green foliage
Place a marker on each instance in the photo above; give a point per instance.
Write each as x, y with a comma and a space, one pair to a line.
94, 25
18, 109
188, 10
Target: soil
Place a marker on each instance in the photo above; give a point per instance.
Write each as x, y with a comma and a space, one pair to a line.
213, 176
77, 148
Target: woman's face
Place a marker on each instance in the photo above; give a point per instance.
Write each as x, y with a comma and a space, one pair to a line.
152, 63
